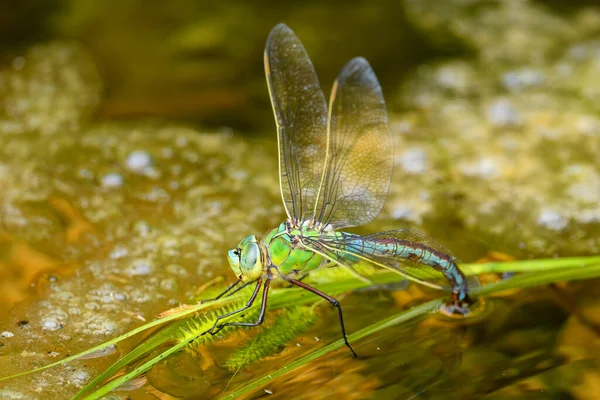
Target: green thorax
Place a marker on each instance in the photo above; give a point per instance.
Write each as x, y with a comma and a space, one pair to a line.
288, 254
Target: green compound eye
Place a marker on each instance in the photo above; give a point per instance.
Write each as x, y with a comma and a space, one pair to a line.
249, 257
250, 261
247, 240
233, 256
245, 260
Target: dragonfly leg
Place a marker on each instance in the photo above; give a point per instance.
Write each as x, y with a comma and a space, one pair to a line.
216, 327
246, 284
330, 299
228, 289
261, 316
303, 277
240, 288
224, 292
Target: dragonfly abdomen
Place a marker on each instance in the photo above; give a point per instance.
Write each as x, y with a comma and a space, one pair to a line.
413, 254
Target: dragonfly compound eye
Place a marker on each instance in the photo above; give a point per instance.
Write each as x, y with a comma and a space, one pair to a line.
233, 256
250, 261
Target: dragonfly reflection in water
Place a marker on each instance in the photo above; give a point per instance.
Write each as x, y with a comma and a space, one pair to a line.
335, 166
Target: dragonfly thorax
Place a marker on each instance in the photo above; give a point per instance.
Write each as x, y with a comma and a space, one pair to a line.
247, 260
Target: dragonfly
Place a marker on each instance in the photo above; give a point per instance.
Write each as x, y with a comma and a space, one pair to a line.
335, 169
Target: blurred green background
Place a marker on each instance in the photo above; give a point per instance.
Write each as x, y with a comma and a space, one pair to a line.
202, 60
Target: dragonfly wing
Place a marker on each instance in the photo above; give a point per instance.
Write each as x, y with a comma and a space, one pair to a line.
358, 163
392, 250
301, 117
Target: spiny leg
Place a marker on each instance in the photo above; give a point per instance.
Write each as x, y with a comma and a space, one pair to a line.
249, 303
237, 290
261, 316
234, 284
330, 299
228, 289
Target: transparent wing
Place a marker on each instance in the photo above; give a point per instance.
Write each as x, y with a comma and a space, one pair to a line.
301, 116
358, 163
406, 251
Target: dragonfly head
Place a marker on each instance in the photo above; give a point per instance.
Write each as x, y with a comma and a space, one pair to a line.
246, 259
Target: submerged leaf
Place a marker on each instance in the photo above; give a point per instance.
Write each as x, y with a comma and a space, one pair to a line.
273, 340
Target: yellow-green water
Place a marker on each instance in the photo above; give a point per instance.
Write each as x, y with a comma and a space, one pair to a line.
104, 222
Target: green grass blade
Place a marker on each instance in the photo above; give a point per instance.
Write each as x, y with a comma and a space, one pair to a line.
114, 384
532, 279
535, 265
139, 351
